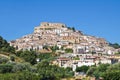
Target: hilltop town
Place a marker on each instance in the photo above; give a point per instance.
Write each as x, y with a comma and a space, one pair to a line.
82, 49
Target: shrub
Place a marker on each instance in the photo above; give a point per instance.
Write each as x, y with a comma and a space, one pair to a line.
5, 68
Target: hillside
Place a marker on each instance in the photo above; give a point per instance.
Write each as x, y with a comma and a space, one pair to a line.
7, 52
23, 65
51, 34
68, 54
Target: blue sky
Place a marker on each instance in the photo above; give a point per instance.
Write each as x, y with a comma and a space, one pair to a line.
94, 17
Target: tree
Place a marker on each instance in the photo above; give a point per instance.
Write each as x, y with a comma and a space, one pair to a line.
113, 67
29, 56
91, 71
73, 29
43, 56
62, 48
52, 72
25, 75
82, 69
5, 68
112, 75
115, 45
103, 67
18, 53
69, 50
44, 71
12, 58
97, 71
20, 67
3, 60
54, 48
45, 47
5, 46
69, 69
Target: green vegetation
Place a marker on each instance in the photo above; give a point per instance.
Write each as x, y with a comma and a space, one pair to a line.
69, 50
52, 72
5, 47
5, 68
54, 48
25, 75
106, 71
71, 28
45, 47
82, 69
115, 45
12, 58
43, 56
43, 71
22, 65
3, 60
28, 56
76, 58
112, 75
112, 72
48, 56
118, 53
